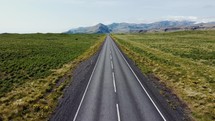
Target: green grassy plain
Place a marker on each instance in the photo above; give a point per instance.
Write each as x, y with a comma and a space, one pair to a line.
30, 67
184, 61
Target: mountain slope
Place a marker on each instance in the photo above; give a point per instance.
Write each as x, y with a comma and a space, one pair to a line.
98, 29
129, 27
126, 27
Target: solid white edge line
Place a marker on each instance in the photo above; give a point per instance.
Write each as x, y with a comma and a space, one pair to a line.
76, 114
118, 114
142, 85
114, 82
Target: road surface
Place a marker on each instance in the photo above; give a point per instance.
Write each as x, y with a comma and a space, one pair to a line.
114, 92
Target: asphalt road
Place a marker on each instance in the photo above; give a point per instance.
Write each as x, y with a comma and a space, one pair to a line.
114, 92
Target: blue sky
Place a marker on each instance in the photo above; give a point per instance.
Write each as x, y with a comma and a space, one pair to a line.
26, 16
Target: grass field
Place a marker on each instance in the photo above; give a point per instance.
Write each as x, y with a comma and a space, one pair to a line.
184, 61
30, 67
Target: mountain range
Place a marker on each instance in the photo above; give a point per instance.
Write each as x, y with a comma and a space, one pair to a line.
132, 27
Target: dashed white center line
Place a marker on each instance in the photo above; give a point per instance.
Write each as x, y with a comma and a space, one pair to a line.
114, 82
114, 85
118, 114
111, 64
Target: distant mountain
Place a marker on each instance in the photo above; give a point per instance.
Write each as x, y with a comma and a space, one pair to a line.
197, 26
98, 29
125, 27
129, 27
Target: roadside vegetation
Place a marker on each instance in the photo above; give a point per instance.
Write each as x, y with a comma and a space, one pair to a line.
184, 61
35, 68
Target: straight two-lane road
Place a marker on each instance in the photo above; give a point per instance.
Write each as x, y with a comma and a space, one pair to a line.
114, 92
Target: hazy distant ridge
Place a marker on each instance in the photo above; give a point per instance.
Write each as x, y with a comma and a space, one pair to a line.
99, 28
132, 27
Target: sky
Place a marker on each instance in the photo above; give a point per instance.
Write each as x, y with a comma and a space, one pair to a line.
30, 16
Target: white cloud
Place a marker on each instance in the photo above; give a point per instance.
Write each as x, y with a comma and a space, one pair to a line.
181, 18
191, 18
178, 18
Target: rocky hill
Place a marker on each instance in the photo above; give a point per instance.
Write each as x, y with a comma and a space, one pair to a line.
140, 28
98, 29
